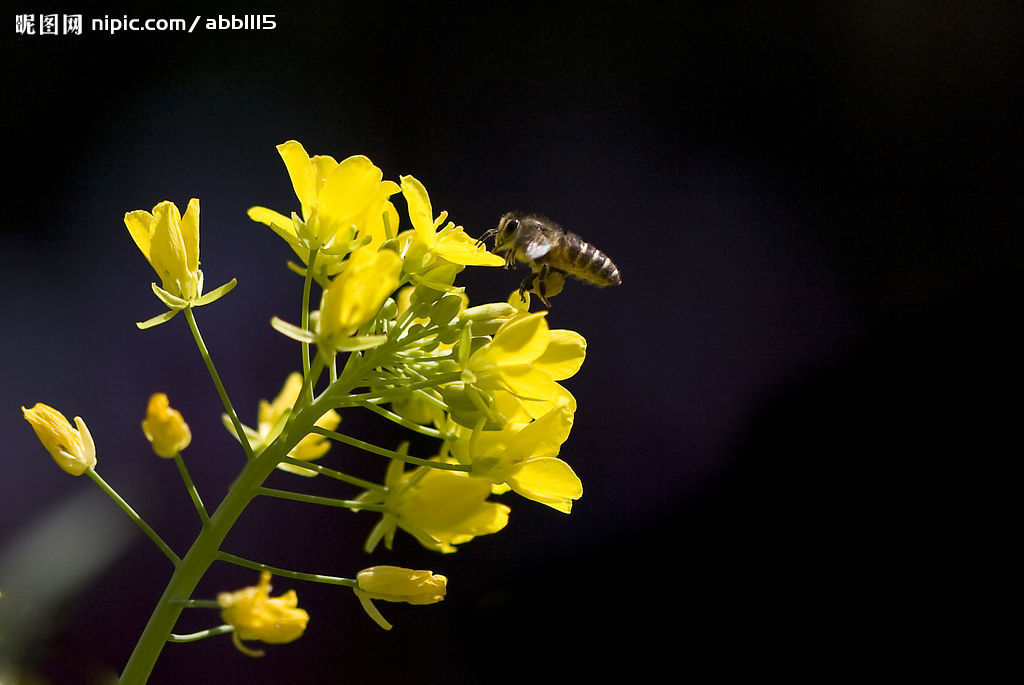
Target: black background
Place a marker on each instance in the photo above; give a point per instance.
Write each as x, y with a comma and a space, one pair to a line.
794, 426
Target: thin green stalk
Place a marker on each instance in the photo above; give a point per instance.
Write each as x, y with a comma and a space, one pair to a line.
306, 286
370, 447
331, 473
200, 603
308, 383
317, 499
192, 492
175, 559
228, 407
286, 573
406, 423
437, 380
201, 635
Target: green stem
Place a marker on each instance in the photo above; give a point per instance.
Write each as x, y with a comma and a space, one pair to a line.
402, 421
175, 559
242, 438
435, 381
203, 551
370, 447
317, 499
305, 311
192, 492
286, 573
202, 634
200, 603
331, 473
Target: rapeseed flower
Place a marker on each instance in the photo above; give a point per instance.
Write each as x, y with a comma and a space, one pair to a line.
356, 294
440, 508
165, 428
255, 615
525, 359
451, 243
271, 420
73, 450
170, 243
396, 584
339, 201
523, 457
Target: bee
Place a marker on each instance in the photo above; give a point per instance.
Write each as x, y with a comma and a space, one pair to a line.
551, 252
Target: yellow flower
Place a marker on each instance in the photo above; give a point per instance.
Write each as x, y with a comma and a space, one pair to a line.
525, 359
355, 295
165, 428
451, 242
73, 450
396, 584
439, 507
522, 457
339, 202
170, 242
271, 420
256, 616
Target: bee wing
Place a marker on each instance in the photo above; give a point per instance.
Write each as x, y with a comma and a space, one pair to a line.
537, 246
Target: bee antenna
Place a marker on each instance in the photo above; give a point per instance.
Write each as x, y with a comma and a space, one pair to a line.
485, 235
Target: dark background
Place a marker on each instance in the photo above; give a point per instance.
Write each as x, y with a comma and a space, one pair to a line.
795, 419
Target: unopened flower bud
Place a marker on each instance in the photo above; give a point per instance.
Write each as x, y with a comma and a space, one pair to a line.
73, 450
396, 584
165, 428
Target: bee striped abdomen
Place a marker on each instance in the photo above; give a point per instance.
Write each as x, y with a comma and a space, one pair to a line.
584, 261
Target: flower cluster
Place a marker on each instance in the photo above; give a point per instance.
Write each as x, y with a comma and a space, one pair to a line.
389, 332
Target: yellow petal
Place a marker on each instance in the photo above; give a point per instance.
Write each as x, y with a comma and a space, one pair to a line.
278, 222
446, 501
538, 408
520, 341
525, 381
358, 292
548, 480
420, 213
300, 170
564, 355
543, 437
457, 247
190, 235
345, 194
323, 166
167, 251
140, 226
285, 399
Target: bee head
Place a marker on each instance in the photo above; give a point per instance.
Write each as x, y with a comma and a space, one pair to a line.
506, 229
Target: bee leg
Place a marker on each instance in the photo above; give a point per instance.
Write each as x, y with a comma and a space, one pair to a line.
542, 284
526, 285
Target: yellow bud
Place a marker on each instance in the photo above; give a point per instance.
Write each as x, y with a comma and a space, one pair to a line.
73, 450
396, 584
165, 428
